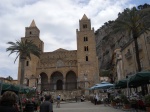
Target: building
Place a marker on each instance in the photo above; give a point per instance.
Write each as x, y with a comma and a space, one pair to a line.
8, 81
68, 72
116, 52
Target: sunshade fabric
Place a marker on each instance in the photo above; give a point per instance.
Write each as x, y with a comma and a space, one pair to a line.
140, 78
135, 80
102, 85
15, 88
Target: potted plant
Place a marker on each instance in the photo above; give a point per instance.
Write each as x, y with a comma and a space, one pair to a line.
147, 102
125, 101
112, 99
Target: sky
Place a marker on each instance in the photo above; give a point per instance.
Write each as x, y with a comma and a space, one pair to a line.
57, 21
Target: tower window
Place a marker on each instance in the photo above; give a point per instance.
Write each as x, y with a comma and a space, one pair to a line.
27, 63
84, 25
86, 48
30, 32
86, 58
85, 38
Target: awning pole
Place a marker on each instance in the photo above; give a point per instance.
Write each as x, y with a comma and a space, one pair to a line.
1, 87
128, 87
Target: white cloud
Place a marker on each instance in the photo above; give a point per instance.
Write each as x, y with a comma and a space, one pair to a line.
56, 19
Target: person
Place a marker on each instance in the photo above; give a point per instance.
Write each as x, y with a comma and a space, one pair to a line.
29, 107
46, 106
8, 102
82, 98
95, 99
76, 99
58, 101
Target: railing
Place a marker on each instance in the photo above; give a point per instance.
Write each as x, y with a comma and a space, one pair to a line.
64, 86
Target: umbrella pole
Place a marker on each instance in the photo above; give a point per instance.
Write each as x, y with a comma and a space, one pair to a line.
21, 109
128, 87
1, 87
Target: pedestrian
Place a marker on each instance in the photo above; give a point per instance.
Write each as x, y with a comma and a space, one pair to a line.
96, 99
46, 106
8, 102
58, 101
76, 99
29, 107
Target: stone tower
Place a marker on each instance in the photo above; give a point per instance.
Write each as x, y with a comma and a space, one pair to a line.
86, 53
31, 33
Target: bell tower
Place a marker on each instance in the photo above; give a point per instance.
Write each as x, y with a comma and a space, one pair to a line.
31, 33
32, 30
86, 53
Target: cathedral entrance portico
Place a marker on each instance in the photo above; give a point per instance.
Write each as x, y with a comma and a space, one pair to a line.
44, 81
71, 80
56, 81
59, 85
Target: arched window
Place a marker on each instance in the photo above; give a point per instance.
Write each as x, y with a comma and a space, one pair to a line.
84, 48
86, 39
84, 25
27, 63
86, 58
87, 49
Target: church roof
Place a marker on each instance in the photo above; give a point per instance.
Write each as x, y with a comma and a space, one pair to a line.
84, 17
33, 24
60, 49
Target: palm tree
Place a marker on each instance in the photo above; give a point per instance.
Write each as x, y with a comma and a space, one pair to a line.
135, 23
23, 49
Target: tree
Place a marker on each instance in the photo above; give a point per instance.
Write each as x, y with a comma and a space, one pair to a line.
9, 78
135, 23
23, 49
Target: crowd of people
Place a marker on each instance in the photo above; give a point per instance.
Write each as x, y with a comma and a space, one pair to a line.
9, 102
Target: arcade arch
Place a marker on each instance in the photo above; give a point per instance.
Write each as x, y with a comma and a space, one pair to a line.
71, 80
44, 81
56, 81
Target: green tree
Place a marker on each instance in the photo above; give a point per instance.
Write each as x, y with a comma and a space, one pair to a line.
9, 78
23, 49
135, 23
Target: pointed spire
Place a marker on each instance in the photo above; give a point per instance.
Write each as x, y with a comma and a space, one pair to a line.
84, 17
33, 24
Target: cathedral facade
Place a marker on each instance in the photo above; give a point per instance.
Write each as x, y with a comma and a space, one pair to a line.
66, 72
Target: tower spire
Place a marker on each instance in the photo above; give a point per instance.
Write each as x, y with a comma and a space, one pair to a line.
33, 23
84, 17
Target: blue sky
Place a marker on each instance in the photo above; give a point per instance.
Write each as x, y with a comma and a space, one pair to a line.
57, 21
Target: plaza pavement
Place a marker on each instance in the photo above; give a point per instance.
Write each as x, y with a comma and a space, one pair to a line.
84, 107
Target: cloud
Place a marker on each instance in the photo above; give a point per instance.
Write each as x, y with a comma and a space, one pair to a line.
56, 19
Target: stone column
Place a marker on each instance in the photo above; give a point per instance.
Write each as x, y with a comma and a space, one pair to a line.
64, 84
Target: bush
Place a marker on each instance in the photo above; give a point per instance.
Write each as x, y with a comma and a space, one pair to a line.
147, 100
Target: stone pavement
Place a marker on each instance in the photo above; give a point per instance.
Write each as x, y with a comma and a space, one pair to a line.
84, 107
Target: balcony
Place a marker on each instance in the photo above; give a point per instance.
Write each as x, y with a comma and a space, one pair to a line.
128, 54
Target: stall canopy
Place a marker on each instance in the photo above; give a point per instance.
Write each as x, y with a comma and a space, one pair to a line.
121, 83
102, 85
135, 80
140, 78
16, 88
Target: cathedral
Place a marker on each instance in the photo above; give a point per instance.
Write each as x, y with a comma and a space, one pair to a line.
65, 72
